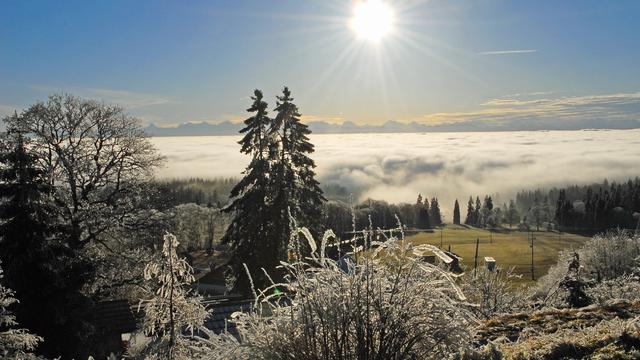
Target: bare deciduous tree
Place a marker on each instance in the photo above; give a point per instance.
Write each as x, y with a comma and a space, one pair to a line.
96, 155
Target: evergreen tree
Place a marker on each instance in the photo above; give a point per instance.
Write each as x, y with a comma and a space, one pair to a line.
38, 267
487, 212
469, 220
25, 213
421, 218
297, 193
456, 213
250, 235
477, 213
434, 213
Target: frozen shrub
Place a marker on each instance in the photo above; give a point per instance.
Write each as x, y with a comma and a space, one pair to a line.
385, 304
610, 255
492, 292
604, 257
626, 287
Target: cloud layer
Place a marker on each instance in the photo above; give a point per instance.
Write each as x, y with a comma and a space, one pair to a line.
533, 112
396, 167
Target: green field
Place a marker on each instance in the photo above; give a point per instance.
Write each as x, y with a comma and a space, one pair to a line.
510, 248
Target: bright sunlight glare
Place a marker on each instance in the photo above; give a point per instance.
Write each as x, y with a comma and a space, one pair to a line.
372, 19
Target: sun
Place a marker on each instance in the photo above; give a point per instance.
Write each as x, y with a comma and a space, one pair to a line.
372, 19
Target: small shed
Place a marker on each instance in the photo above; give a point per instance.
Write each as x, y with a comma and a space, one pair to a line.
490, 263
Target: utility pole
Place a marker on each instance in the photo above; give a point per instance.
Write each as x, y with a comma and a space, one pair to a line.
475, 258
533, 276
441, 226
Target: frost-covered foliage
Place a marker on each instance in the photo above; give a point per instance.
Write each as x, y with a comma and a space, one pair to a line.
173, 310
626, 287
610, 255
607, 331
15, 343
609, 339
384, 303
493, 292
603, 259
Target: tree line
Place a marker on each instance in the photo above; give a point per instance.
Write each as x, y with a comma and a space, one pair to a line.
343, 218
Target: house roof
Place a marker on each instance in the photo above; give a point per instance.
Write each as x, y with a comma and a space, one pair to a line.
113, 316
221, 312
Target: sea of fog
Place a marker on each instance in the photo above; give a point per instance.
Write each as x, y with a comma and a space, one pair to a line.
396, 167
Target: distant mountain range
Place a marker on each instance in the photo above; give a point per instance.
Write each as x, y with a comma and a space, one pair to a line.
349, 127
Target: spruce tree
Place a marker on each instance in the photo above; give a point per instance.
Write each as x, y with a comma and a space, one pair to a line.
469, 220
297, 193
422, 213
456, 213
36, 264
434, 212
477, 213
249, 234
25, 214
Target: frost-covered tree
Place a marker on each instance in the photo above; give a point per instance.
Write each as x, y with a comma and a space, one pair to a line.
95, 155
196, 225
250, 233
174, 310
15, 343
98, 161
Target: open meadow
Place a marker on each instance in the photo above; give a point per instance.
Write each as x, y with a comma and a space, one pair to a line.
510, 248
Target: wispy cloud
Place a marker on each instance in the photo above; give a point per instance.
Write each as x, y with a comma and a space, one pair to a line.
124, 98
508, 52
579, 109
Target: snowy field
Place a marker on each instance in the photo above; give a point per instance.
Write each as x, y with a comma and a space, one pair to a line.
396, 167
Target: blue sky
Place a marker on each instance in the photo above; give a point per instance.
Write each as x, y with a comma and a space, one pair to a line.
170, 62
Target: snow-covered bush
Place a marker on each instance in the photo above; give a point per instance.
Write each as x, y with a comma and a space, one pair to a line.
14, 343
626, 287
493, 292
603, 258
384, 303
610, 255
